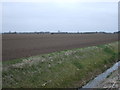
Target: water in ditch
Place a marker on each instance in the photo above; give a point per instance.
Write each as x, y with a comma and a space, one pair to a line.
102, 76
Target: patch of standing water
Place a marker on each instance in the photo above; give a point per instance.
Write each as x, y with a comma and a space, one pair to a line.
102, 76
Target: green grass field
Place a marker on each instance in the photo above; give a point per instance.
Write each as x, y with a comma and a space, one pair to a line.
69, 68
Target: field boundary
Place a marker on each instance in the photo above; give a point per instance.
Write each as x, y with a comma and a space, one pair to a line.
69, 68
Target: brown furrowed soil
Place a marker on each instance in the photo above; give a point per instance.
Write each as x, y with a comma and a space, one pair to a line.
16, 46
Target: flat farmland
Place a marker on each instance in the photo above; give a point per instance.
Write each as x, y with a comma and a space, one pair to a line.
15, 46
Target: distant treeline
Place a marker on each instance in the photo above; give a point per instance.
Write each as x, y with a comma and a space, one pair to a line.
58, 32
117, 32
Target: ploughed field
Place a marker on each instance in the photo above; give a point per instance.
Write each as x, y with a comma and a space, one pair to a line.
16, 46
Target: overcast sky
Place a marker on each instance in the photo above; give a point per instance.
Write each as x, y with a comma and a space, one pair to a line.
63, 16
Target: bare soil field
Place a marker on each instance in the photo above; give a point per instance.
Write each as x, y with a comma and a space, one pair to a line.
16, 46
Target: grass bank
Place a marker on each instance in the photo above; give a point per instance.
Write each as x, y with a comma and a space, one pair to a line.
69, 68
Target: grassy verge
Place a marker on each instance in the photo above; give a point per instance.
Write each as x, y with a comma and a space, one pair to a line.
69, 68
